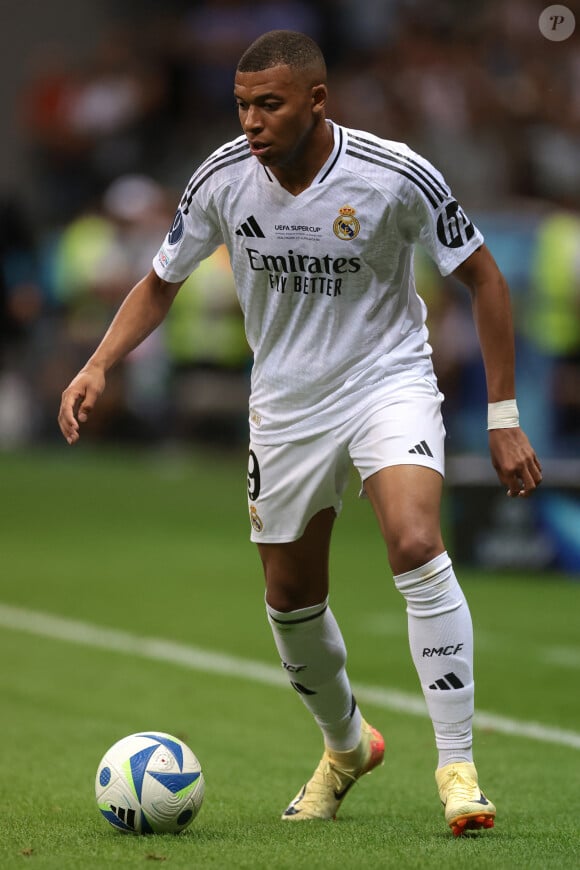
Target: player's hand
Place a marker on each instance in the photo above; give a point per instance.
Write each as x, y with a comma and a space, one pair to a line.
78, 400
515, 461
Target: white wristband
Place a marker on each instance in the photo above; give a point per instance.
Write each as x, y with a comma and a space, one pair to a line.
503, 415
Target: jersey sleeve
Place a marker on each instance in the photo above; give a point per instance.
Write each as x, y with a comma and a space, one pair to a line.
432, 217
193, 236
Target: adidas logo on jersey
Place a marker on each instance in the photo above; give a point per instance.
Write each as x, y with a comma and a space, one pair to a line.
250, 228
422, 448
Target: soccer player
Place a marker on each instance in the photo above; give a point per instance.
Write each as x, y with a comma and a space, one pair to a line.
320, 222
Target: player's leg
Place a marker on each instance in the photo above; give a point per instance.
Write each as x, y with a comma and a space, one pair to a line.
296, 572
300, 511
307, 636
399, 451
406, 500
313, 654
295, 493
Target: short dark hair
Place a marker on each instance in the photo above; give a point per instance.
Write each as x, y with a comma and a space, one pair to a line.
283, 48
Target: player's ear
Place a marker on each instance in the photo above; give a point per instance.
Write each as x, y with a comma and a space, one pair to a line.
319, 97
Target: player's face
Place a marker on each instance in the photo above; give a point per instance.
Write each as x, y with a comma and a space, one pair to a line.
279, 109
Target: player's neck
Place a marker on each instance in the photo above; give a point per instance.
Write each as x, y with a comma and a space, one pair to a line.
299, 175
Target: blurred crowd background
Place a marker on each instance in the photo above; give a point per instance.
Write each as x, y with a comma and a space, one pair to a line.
111, 106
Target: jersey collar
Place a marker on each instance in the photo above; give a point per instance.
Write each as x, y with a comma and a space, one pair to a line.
325, 171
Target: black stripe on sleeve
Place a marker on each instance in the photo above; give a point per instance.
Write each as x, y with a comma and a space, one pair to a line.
190, 193
434, 198
239, 145
404, 159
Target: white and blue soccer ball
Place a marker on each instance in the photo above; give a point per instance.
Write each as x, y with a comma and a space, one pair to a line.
149, 783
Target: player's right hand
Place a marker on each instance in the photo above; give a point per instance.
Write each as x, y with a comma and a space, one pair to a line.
78, 400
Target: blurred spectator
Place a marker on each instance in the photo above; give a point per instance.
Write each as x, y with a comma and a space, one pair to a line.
58, 156
190, 377
209, 356
90, 123
20, 294
209, 39
98, 258
552, 326
21, 309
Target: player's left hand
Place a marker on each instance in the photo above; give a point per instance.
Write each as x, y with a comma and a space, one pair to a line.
515, 461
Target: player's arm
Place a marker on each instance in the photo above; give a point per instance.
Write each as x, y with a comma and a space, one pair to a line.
512, 455
142, 311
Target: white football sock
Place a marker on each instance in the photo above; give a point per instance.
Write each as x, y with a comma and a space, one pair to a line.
441, 642
313, 655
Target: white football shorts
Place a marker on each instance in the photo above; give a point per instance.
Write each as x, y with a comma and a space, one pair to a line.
289, 483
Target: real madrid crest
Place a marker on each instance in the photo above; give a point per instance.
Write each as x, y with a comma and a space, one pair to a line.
346, 226
255, 520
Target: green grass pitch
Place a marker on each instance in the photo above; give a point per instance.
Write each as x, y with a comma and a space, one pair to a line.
155, 545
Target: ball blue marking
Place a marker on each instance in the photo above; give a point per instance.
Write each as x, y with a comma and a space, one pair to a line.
105, 776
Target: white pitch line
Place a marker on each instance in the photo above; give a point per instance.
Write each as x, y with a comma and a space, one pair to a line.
99, 637
563, 656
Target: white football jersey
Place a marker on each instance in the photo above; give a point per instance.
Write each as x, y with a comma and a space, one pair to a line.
325, 278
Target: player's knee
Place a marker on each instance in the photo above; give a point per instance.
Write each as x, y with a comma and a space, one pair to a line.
413, 549
286, 595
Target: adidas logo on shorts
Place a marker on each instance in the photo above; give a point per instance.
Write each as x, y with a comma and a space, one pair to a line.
422, 448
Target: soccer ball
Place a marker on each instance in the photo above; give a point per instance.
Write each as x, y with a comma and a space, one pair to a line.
149, 783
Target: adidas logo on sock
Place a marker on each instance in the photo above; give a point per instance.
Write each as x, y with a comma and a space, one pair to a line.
250, 228
422, 448
449, 681
302, 690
